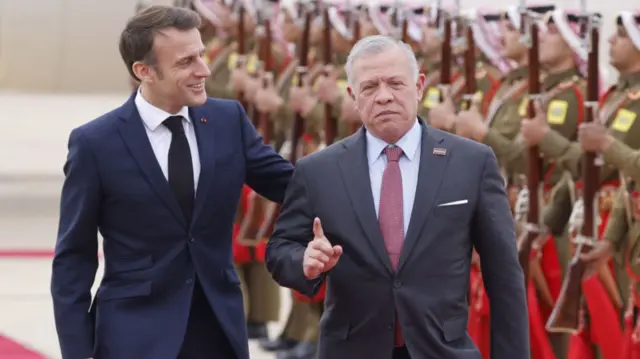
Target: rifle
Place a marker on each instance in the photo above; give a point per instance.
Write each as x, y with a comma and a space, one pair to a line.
266, 63
355, 23
565, 317
330, 122
443, 20
529, 36
242, 48
469, 65
253, 217
299, 122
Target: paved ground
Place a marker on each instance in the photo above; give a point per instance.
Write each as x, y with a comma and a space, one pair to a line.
32, 150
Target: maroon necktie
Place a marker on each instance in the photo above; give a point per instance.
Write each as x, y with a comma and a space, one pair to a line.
390, 214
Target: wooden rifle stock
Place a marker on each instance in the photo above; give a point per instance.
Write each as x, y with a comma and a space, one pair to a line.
266, 60
253, 218
529, 29
470, 67
445, 72
565, 317
242, 49
356, 37
330, 122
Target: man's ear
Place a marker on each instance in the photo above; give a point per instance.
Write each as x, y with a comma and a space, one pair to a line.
142, 71
350, 92
420, 84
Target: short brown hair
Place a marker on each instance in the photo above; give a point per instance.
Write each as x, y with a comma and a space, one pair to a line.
136, 40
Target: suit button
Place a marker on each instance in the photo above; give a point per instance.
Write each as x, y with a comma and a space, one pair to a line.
189, 281
192, 239
397, 284
390, 327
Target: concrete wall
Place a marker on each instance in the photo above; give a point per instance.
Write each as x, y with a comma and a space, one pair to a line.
63, 45
71, 45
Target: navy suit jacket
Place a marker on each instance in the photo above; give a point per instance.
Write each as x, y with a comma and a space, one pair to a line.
428, 291
114, 184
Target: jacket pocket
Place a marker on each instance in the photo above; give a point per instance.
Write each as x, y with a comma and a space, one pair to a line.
126, 290
454, 328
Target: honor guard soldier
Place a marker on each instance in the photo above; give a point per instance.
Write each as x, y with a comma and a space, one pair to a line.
226, 54
444, 78
300, 329
266, 57
621, 238
615, 135
619, 143
486, 40
498, 122
320, 102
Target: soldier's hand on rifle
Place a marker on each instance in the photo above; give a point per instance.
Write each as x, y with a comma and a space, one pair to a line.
443, 115
348, 111
470, 123
534, 129
238, 79
301, 100
599, 255
593, 137
320, 256
328, 90
251, 87
267, 99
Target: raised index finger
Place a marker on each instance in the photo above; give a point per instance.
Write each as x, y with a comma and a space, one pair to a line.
318, 232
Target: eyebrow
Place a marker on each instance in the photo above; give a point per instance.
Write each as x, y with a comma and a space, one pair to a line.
200, 53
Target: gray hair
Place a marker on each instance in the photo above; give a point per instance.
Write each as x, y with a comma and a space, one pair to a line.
377, 44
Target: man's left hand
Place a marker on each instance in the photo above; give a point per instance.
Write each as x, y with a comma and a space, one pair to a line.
534, 129
593, 137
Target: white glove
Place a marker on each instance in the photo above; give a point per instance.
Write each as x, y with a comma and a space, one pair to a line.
576, 220
522, 204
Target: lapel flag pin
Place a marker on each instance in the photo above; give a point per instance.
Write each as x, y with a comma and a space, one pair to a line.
203, 120
439, 151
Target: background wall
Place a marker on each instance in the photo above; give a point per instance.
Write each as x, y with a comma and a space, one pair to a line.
63, 45
71, 45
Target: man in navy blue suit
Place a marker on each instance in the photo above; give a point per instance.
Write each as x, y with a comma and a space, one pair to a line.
160, 179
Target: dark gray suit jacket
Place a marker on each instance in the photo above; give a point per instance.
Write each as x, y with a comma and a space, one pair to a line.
429, 290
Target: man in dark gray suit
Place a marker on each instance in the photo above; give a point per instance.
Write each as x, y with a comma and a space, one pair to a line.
389, 217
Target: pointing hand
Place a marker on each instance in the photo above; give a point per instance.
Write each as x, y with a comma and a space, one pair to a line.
320, 256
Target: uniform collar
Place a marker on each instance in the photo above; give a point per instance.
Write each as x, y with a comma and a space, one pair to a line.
629, 81
553, 80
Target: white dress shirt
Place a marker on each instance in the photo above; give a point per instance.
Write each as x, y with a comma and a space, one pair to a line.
409, 166
160, 136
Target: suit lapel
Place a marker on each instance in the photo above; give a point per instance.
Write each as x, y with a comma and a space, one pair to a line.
430, 175
135, 138
205, 132
355, 173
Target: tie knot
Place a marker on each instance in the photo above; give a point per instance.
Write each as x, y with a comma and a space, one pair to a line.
393, 153
174, 124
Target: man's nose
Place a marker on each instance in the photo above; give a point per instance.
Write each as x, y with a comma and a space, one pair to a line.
203, 68
384, 95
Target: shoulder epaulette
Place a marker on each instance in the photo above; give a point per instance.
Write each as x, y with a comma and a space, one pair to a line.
569, 83
480, 73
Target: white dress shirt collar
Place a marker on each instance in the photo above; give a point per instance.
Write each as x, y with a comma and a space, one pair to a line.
409, 143
151, 116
